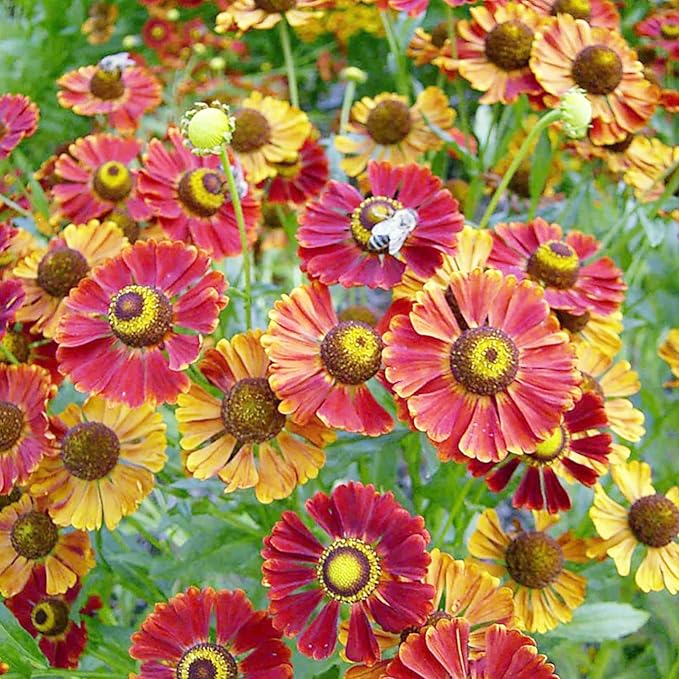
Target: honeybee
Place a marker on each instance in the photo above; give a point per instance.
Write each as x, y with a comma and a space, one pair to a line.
393, 231
119, 62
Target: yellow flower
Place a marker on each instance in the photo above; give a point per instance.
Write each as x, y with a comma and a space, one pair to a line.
592, 330
651, 520
649, 160
264, 14
669, 351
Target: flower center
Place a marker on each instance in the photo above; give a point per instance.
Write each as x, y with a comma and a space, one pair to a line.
670, 31
352, 352
578, 9
621, 146
50, 616
554, 264
34, 535
13, 496
439, 35
202, 191
654, 520
431, 620
573, 322
358, 312
140, 315
126, 224
484, 360
589, 383
552, 447
508, 45
252, 130
207, 661
250, 411
370, 212
275, 6
11, 424
90, 450
107, 84
18, 345
520, 182
60, 270
534, 559
597, 69
389, 122
349, 570
112, 181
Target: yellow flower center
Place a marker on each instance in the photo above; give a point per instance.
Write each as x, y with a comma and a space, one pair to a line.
534, 559
202, 191
578, 9
50, 616
11, 424
484, 360
670, 31
125, 223
90, 450
112, 181
275, 6
158, 31
107, 84
352, 352
551, 448
508, 45
389, 122
349, 570
597, 69
554, 264
10, 498
18, 345
207, 661
34, 535
60, 270
140, 316
252, 131
250, 411
654, 520
370, 212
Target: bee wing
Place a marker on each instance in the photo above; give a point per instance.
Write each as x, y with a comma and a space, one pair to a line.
396, 239
386, 227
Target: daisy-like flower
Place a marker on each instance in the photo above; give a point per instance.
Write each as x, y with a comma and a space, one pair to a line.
47, 617
669, 352
482, 366
412, 7
189, 198
133, 326
320, 365
652, 521
94, 178
649, 159
662, 26
442, 650
49, 275
208, 633
115, 87
463, 590
22, 346
596, 331
336, 239
11, 298
375, 563
18, 119
100, 24
303, 179
594, 12
268, 131
569, 52
29, 538
103, 465
493, 51
538, 250
264, 14
567, 453
426, 46
386, 128
24, 436
225, 435
545, 593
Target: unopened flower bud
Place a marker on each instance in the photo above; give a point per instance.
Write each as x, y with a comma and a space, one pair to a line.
576, 113
354, 74
172, 14
207, 128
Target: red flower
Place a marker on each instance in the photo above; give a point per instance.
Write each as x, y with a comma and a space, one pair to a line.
663, 27
18, 119
32, 349
413, 7
375, 563
442, 650
49, 618
538, 250
177, 640
594, 12
188, 196
11, 297
94, 178
576, 449
335, 231
124, 331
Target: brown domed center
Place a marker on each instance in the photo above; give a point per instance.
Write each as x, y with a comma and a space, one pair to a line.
252, 131
11, 424
202, 191
597, 69
107, 84
90, 450
654, 520
18, 344
554, 263
368, 214
34, 535
60, 270
389, 122
534, 559
112, 181
573, 322
207, 661
508, 45
140, 316
439, 35
275, 6
50, 616
352, 352
349, 570
578, 9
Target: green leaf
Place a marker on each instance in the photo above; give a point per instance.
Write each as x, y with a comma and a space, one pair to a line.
655, 228
19, 649
601, 622
540, 164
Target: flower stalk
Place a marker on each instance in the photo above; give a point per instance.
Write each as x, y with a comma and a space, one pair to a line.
289, 62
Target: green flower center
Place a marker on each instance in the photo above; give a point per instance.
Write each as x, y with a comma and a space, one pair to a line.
484, 360
252, 130
50, 616
11, 424
140, 316
389, 122
578, 9
34, 535
654, 520
349, 570
202, 191
534, 559
18, 345
554, 264
597, 69
352, 352
368, 214
112, 181
107, 84
60, 270
90, 450
207, 661
508, 45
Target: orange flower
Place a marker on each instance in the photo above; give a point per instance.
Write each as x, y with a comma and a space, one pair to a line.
594, 12
669, 352
264, 14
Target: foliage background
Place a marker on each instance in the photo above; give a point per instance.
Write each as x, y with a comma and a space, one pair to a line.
189, 532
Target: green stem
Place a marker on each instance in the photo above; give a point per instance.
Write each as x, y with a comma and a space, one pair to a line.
455, 510
601, 661
401, 76
289, 62
238, 209
670, 188
459, 88
147, 535
14, 206
347, 101
9, 356
542, 125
